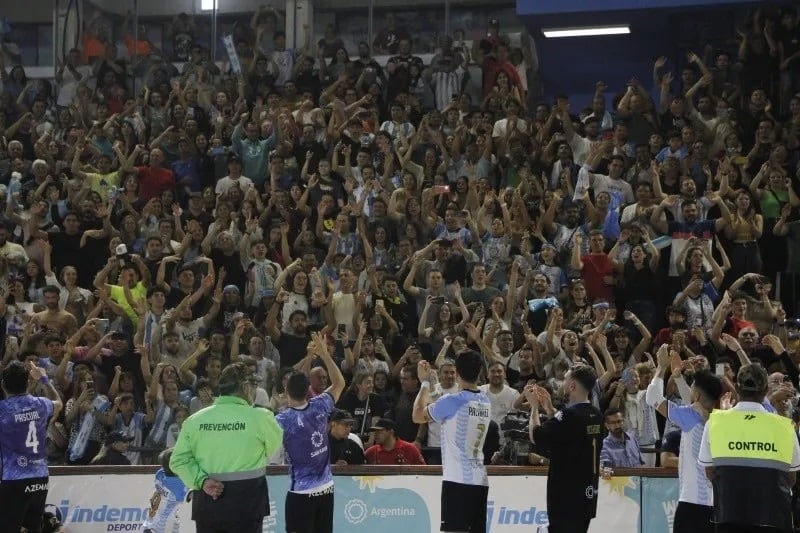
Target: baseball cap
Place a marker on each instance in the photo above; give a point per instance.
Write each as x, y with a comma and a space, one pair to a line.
340, 415
383, 423
231, 288
235, 374
752, 378
117, 436
234, 158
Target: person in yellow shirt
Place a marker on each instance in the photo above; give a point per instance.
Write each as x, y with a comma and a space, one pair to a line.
134, 275
104, 179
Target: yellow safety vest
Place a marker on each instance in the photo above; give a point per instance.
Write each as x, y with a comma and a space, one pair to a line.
751, 438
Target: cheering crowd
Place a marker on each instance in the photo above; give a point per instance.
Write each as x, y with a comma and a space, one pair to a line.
162, 222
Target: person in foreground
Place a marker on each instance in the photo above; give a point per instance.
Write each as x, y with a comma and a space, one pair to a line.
222, 453
309, 502
745, 447
24, 419
693, 514
574, 438
464, 417
169, 494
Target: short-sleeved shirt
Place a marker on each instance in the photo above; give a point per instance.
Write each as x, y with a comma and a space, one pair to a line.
101, 183
681, 232
403, 453
23, 447
138, 291
154, 181
620, 188
694, 486
464, 417
305, 439
170, 493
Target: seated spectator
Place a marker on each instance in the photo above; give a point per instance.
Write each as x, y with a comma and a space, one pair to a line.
345, 447
620, 448
389, 449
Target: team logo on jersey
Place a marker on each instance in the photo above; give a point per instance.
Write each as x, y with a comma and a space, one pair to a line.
590, 492
316, 439
22, 462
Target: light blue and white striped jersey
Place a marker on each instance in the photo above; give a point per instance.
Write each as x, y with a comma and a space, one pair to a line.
465, 418
170, 493
694, 485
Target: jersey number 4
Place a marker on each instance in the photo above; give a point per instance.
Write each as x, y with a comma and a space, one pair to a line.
32, 440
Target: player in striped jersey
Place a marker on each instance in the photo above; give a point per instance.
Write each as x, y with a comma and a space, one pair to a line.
465, 418
695, 500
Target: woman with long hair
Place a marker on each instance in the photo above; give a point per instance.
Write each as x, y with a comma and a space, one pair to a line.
641, 287
744, 229
75, 299
772, 197
445, 324
363, 403
578, 308
86, 433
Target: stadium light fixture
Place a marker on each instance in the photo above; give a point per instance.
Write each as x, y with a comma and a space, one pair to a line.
207, 5
587, 31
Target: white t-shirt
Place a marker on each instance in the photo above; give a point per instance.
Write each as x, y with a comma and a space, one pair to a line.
619, 187
501, 402
500, 128
227, 182
435, 428
69, 84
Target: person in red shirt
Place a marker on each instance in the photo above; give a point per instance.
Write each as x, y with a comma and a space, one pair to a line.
738, 319
496, 62
154, 178
596, 268
389, 449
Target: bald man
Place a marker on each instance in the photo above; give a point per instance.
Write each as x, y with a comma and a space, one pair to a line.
318, 381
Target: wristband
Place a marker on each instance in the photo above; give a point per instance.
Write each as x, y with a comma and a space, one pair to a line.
44, 380
425, 384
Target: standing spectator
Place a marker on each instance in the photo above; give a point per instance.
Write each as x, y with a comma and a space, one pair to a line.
400, 68
596, 267
501, 396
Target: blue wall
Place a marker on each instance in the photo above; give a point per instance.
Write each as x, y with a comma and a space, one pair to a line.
540, 7
573, 65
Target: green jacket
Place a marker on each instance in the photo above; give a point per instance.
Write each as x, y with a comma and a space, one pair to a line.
224, 440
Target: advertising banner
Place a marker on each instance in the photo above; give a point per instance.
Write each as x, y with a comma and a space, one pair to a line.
659, 500
389, 503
